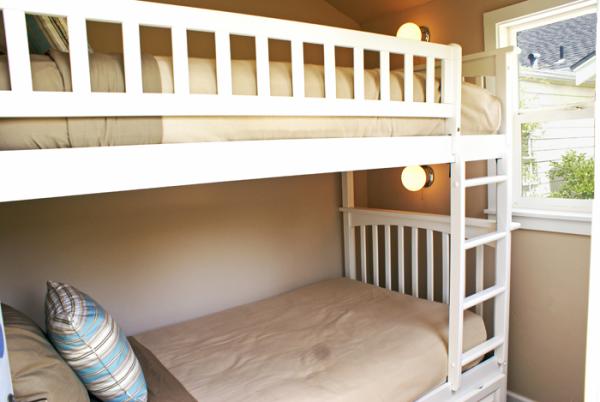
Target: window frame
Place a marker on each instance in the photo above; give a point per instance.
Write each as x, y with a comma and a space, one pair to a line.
500, 30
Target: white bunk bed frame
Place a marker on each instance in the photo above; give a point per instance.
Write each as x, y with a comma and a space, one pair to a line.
37, 174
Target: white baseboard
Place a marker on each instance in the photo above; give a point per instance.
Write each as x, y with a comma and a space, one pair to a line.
514, 397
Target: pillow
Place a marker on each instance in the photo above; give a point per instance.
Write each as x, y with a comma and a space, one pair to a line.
38, 372
93, 345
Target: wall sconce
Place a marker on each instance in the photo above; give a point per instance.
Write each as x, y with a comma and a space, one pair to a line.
410, 30
416, 177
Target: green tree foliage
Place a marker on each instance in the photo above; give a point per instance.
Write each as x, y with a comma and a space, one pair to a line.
575, 172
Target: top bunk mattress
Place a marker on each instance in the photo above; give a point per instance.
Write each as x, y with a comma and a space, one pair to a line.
481, 111
336, 340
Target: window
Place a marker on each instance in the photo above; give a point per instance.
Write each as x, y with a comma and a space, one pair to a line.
554, 124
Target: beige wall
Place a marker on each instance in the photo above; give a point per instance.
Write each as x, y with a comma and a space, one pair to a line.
549, 270
155, 257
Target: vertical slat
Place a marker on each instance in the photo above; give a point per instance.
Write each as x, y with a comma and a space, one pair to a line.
359, 74
430, 80
263, 85
297, 69
375, 245
181, 74
445, 268
19, 64
363, 253
388, 257
223, 57
457, 273
415, 261
479, 264
401, 273
430, 265
78, 54
349, 231
384, 75
408, 77
451, 92
132, 57
329, 68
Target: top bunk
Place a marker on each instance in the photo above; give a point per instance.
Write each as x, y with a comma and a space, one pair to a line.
302, 118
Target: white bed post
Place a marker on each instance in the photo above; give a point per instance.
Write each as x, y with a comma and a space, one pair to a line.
349, 244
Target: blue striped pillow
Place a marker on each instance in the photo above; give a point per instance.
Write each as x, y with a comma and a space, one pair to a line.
92, 343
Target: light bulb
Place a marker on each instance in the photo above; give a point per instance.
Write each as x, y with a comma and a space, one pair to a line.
409, 30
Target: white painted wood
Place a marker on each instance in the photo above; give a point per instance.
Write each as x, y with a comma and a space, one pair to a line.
388, 256
5, 378
446, 268
429, 257
384, 76
479, 270
375, 249
408, 77
482, 296
349, 232
484, 239
482, 181
132, 57
478, 351
19, 65
359, 73
263, 79
363, 254
223, 60
414, 240
297, 69
78, 55
457, 273
430, 80
181, 74
401, 270
329, 70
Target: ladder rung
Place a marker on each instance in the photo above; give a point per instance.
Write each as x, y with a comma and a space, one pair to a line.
482, 296
483, 239
478, 351
481, 181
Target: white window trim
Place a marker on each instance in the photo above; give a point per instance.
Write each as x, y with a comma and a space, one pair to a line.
500, 26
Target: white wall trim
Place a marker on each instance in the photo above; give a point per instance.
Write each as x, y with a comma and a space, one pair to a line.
514, 397
577, 223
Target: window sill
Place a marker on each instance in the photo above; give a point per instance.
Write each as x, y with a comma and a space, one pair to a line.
551, 221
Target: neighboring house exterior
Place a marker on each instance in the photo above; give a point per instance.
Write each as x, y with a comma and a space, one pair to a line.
557, 69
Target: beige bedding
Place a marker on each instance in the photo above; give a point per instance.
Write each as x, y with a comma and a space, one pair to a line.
337, 340
481, 112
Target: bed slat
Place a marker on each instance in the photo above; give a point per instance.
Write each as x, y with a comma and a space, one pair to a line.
359, 74
401, 274
430, 277
384, 73
263, 85
181, 74
223, 57
15, 28
375, 246
329, 69
363, 254
132, 57
408, 77
446, 268
430, 80
415, 261
388, 257
78, 54
297, 69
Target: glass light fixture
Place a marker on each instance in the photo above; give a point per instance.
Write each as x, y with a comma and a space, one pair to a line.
409, 30
416, 177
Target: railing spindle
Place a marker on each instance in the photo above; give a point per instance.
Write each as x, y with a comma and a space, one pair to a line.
446, 268
415, 261
375, 245
359, 74
401, 274
408, 77
384, 75
297, 69
388, 257
430, 278
181, 74
132, 57
19, 64
430, 80
263, 85
223, 58
363, 254
329, 70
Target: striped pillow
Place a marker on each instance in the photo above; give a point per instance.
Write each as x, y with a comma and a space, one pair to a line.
92, 343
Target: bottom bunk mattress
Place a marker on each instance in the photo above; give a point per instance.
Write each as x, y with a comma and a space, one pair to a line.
336, 340
481, 111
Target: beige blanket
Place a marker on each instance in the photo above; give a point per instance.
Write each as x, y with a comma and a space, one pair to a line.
337, 340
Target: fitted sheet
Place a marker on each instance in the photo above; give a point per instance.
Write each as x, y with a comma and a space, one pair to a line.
336, 340
481, 111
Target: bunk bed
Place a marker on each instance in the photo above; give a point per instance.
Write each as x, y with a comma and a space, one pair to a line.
471, 365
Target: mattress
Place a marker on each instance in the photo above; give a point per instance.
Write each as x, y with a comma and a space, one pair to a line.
481, 111
336, 340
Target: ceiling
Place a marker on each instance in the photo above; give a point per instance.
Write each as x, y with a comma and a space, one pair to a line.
365, 10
